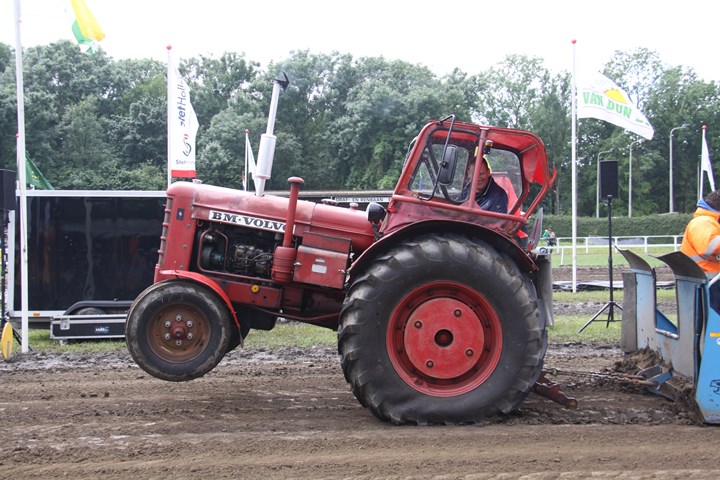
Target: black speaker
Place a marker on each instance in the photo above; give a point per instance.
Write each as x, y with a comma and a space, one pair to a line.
7, 195
608, 179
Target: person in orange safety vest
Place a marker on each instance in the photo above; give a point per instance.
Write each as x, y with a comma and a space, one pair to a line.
701, 241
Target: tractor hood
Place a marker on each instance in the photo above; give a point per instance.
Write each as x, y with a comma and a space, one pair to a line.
269, 212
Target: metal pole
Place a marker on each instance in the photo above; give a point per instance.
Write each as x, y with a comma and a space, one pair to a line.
610, 243
630, 180
22, 183
246, 178
170, 73
630, 184
597, 189
671, 175
573, 169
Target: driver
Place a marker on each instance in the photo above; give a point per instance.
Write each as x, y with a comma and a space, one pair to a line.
489, 196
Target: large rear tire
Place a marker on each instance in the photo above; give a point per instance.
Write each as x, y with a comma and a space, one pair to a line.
441, 330
177, 330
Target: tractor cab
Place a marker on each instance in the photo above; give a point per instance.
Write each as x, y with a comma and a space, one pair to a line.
440, 176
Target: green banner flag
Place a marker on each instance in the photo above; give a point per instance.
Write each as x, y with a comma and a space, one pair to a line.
35, 176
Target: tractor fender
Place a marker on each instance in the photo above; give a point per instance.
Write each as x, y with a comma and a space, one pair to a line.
202, 279
500, 242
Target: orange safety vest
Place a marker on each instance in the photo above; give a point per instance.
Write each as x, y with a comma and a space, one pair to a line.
702, 240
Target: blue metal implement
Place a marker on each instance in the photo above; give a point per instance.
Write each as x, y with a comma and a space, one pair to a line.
707, 387
691, 346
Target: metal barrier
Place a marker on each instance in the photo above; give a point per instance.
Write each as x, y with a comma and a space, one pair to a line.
641, 242
691, 346
645, 326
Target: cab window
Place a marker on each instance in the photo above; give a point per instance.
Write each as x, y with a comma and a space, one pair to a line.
423, 179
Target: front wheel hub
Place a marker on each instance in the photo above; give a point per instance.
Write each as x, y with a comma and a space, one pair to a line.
178, 333
179, 330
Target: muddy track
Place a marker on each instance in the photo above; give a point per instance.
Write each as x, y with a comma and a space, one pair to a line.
289, 414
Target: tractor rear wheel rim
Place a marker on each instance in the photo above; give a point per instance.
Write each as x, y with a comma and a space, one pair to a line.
444, 339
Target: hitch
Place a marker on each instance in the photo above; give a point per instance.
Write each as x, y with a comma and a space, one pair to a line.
551, 390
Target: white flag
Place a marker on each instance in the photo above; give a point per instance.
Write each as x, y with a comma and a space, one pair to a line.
182, 126
706, 167
599, 97
249, 160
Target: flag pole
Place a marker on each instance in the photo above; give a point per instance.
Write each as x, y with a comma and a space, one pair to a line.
699, 179
702, 159
22, 182
169, 114
573, 174
246, 179
706, 165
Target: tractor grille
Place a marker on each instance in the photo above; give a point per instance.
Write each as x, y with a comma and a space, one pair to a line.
163, 235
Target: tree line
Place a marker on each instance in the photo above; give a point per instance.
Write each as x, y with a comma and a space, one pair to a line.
93, 122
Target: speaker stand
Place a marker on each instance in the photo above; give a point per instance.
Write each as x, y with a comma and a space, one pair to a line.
611, 305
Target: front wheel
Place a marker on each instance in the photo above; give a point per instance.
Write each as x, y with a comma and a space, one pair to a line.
441, 330
177, 330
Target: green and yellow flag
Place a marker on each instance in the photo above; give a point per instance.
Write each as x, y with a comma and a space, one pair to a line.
86, 29
35, 176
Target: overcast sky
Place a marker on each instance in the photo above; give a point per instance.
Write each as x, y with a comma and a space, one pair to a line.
472, 35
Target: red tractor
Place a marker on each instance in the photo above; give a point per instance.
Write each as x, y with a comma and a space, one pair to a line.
441, 307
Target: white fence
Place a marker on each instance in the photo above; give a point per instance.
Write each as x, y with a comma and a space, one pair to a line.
666, 243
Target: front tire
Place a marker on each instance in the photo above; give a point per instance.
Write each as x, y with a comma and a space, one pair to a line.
177, 330
441, 330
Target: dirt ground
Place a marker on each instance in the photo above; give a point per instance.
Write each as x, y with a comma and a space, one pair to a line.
288, 413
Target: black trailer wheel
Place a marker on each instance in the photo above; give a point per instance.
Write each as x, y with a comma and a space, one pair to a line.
90, 311
178, 330
441, 330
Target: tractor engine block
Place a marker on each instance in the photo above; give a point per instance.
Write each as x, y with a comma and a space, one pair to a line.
237, 251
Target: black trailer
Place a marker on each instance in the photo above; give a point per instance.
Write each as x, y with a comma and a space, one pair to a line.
90, 253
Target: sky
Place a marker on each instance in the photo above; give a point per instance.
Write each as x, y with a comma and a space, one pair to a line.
472, 35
